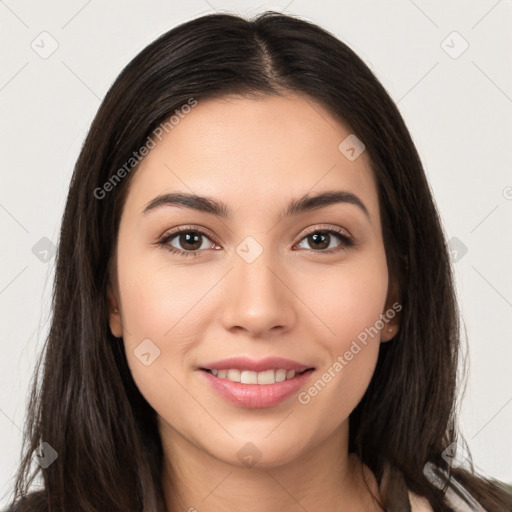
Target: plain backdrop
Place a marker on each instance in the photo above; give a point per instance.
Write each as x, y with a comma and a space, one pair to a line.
447, 66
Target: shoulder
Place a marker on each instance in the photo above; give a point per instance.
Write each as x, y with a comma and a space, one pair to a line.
452, 498
418, 503
34, 501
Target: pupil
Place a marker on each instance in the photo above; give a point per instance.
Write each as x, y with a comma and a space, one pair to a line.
190, 239
318, 238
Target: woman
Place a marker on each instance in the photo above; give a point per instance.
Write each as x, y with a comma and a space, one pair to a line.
253, 307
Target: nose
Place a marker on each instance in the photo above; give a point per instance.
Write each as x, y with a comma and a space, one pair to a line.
258, 297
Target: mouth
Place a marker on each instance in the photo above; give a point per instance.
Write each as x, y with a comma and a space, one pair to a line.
255, 383
256, 389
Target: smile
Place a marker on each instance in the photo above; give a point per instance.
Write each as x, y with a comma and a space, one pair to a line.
256, 390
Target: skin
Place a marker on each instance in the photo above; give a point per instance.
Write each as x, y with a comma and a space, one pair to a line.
293, 301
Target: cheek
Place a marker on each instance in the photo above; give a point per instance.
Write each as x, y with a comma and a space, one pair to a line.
160, 301
166, 308
156, 314
350, 300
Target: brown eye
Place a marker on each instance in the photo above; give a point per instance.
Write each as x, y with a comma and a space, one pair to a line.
319, 240
189, 241
186, 242
325, 240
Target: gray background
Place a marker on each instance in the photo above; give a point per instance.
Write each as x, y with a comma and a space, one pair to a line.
456, 102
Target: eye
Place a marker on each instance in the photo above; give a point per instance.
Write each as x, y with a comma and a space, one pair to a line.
192, 241
321, 239
189, 241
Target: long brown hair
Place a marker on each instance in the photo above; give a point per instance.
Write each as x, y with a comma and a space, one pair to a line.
88, 408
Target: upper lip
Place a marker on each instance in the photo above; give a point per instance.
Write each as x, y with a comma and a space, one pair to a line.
261, 365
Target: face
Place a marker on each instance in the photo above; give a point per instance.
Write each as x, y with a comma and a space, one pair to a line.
309, 286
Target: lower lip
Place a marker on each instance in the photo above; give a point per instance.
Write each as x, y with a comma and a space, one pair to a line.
256, 396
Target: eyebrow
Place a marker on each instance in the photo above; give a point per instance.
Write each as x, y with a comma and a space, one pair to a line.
220, 209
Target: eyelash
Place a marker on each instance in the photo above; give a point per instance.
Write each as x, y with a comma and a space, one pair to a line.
346, 241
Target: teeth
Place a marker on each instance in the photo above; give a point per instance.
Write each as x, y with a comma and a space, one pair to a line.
268, 377
248, 377
234, 375
280, 375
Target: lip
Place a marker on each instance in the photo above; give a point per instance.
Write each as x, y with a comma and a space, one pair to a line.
256, 396
246, 363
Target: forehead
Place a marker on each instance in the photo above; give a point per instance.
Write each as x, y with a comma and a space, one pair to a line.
253, 153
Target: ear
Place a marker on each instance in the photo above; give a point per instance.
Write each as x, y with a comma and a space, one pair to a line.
114, 315
391, 314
